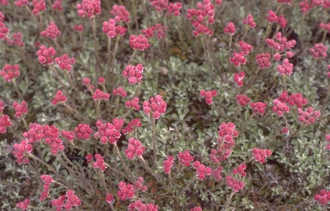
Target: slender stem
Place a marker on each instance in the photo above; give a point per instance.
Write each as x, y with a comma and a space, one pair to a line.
97, 105
229, 200
187, 186
114, 55
60, 184
24, 122
132, 56
44, 163
284, 81
74, 86
147, 168
17, 90
123, 162
324, 36
118, 172
154, 140
97, 68
290, 15
326, 99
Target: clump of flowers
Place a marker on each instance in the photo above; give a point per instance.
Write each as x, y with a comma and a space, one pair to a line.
99, 163
139, 42
259, 107
100, 95
47, 179
89, 8
134, 148
246, 48
126, 191
20, 150
234, 183
134, 124
240, 170
201, 170
217, 173
230, 29
71, 201
286, 68
138, 205
38, 6
120, 13
133, 73
65, 62
51, 31
319, 50
120, 92
280, 107
20, 109
156, 105
10, 72
168, 164
308, 116
238, 78
208, 95
23, 205
263, 60
83, 131
158, 29
323, 197
242, 100
260, 155
108, 132
46, 55
57, 5
238, 59
134, 103
4, 123
249, 21
185, 158
111, 30
59, 98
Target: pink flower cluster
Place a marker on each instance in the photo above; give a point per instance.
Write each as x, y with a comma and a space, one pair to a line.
47, 179
260, 155
273, 18
46, 55
240, 170
59, 98
259, 107
57, 5
308, 116
158, 28
196, 209
230, 29
286, 68
280, 107
242, 100
263, 60
185, 158
280, 43
134, 103
217, 173
208, 95
325, 26
78, 28
4, 119
83, 131
168, 164
234, 183
156, 105
20, 109
10, 72
111, 30
71, 201
120, 91
133, 73
87, 83
100, 95
20, 150
38, 6
202, 17
294, 99
108, 132
51, 31
21, 3
139, 206
173, 8
99, 162
323, 197
35, 133
134, 124
51, 137
126, 191
89, 8
249, 21
138, 185
139, 42
68, 135
65, 62
201, 170
3, 29
319, 50
17, 39
246, 48
238, 59
109, 198
306, 5
327, 139
238, 78
120, 13
227, 133
23, 205
134, 148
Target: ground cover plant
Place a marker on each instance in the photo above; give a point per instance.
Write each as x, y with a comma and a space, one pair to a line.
164, 105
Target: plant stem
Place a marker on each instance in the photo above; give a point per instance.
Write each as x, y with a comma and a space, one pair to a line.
154, 140
187, 186
97, 68
17, 90
147, 168
229, 200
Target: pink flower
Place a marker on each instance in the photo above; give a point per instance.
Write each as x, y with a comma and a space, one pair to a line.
234, 183
20, 109
23, 205
242, 100
120, 13
99, 95
133, 73
156, 105
230, 29
238, 59
4, 123
260, 155
259, 107
319, 50
263, 60
65, 62
83, 131
168, 164
286, 68
208, 95
45, 56
51, 31
89, 8
59, 98
139, 42
10, 72
238, 78
134, 148
249, 21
